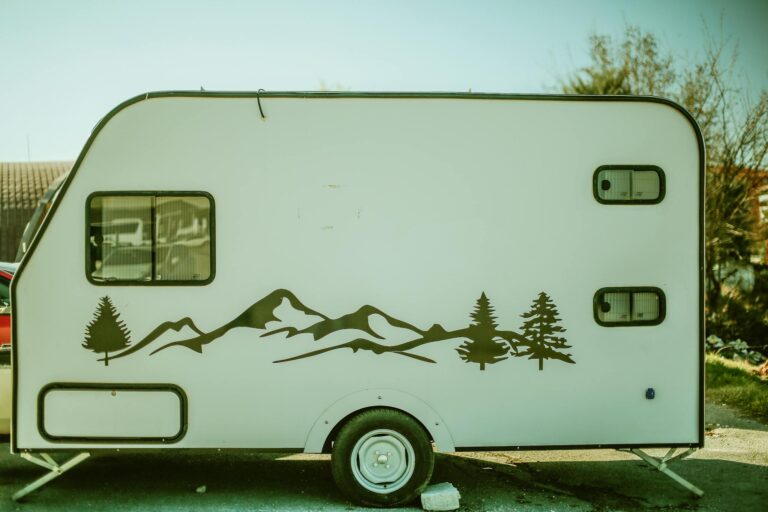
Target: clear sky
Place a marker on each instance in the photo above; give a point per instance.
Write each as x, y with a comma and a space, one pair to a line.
65, 63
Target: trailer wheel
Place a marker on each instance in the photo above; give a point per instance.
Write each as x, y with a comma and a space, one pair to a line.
382, 458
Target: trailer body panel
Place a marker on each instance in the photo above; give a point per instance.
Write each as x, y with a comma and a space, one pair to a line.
387, 247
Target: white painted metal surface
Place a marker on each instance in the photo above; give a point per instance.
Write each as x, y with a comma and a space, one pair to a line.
416, 207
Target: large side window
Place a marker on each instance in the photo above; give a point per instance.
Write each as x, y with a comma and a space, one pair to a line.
150, 238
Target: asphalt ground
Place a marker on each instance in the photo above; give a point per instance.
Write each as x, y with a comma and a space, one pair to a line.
732, 470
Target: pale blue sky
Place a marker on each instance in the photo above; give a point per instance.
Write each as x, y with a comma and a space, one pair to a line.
64, 64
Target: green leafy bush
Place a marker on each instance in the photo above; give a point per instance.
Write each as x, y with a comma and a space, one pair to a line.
737, 350
743, 315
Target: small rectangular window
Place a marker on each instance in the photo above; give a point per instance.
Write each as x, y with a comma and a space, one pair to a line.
628, 184
150, 238
618, 307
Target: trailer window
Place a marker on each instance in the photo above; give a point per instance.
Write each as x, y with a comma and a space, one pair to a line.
628, 184
149, 238
616, 307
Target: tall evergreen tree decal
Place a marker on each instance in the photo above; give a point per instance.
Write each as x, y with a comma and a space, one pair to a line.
106, 332
482, 347
542, 332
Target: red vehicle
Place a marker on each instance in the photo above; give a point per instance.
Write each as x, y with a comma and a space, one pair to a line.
6, 274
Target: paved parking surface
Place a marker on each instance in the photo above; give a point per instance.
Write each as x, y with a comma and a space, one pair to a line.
732, 470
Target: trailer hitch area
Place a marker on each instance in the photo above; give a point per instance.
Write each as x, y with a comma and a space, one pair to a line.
54, 470
662, 465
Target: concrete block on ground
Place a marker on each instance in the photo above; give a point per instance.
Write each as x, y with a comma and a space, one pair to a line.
442, 496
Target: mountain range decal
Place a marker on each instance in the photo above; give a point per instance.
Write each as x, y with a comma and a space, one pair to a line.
359, 320
483, 342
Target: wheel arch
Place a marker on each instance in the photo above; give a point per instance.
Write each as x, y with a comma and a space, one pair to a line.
337, 414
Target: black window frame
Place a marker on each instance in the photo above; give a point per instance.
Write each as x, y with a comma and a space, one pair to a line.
596, 304
151, 193
624, 167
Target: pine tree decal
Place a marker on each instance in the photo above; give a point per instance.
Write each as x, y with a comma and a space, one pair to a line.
482, 348
541, 330
106, 332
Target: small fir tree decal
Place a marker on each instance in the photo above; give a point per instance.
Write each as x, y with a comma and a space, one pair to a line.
541, 330
482, 347
106, 332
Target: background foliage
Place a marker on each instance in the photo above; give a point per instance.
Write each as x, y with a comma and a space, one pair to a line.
735, 131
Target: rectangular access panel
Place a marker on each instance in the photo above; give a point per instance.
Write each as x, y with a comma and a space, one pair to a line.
112, 412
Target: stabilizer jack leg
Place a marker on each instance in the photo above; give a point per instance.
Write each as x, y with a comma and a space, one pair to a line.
661, 465
54, 470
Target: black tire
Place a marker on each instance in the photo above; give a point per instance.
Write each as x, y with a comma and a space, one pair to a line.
388, 429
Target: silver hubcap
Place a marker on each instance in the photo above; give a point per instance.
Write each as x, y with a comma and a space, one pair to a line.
382, 461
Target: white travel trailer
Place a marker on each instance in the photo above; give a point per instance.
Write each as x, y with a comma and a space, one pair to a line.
366, 274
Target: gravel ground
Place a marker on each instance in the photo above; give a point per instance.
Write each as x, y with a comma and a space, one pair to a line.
732, 470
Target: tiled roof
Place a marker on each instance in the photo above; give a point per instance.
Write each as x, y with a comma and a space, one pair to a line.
22, 184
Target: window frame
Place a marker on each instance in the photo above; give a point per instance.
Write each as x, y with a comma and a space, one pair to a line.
631, 290
151, 193
624, 167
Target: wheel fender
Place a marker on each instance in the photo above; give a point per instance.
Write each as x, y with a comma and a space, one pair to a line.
369, 398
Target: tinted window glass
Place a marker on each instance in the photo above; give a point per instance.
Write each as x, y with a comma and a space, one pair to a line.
120, 238
183, 238
149, 238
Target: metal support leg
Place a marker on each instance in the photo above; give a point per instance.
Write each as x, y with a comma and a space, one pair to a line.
661, 465
54, 470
